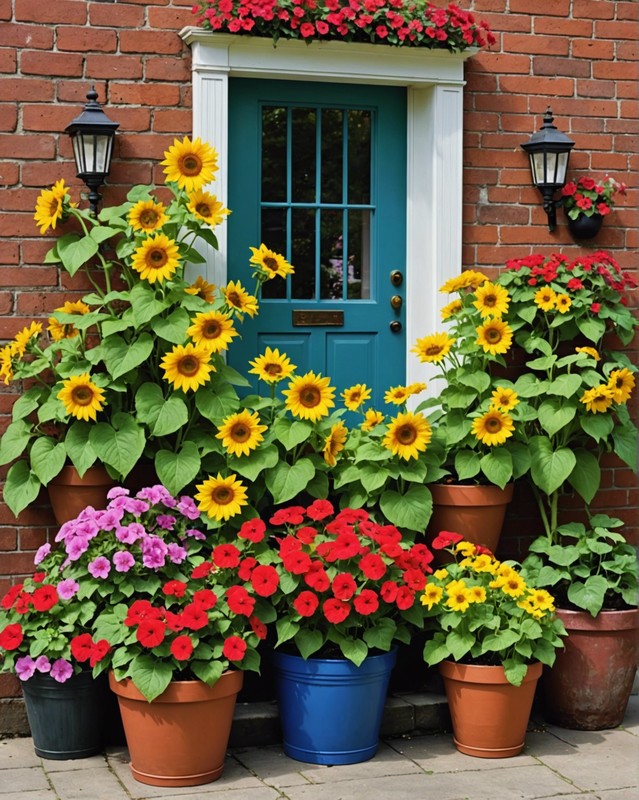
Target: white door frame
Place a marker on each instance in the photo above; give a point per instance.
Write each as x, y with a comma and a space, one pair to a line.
434, 80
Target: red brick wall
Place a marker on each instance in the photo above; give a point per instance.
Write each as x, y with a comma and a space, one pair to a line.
578, 55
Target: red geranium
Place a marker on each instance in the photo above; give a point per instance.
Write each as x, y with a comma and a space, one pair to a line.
234, 648
182, 648
44, 597
11, 636
150, 632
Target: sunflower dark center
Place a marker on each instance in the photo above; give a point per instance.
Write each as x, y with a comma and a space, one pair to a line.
82, 395
240, 433
493, 425
234, 299
191, 165
188, 365
490, 300
149, 218
492, 335
406, 434
310, 397
212, 329
157, 258
222, 495
273, 369
433, 350
270, 263
203, 209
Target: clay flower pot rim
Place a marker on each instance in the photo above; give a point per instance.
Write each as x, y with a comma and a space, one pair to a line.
606, 619
195, 689
474, 494
483, 673
94, 476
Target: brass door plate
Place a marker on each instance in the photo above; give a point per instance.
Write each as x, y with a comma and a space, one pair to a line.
318, 319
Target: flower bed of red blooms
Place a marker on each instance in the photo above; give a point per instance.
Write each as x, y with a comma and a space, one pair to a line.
396, 22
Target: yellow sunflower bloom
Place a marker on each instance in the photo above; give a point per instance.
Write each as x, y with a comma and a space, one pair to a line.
562, 303
190, 164
203, 289
272, 367
147, 216
416, 388
66, 330
6, 364
514, 585
408, 435
469, 279
156, 259
493, 428
354, 396
545, 298
589, 351
432, 595
207, 207
187, 366
334, 443
309, 396
433, 348
504, 399
621, 382
452, 308
542, 599
22, 338
492, 300
221, 498
271, 264
397, 395
494, 336
599, 399
81, 397
372, 419
477, 594
459, 599
49, 207
240, 433
238, 299
212, 330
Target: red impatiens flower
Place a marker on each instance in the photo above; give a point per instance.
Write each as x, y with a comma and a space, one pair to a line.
405, 598
234, 648
82, 647
373, 566
182, 647
296, 562
141, 610
388, 591
265, 580
99, 651
246, 567
253, 530
415, 579
226, 556
204, 598
38, 577
306, 535
151, 632
9, 598
194, 617
366, 602
306, 603
317, 578
446, 539
202, 570
44, 597
11, 636
344, 586
174, 622
335, 610
320, 509
174, 588
259, 628
240, 601
291, 516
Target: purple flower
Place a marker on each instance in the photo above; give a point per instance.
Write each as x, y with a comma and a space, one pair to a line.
194, 533
135, 506
117, 491
157, 494
109, 519
100, 567
187, 508
123, 561
130, 533
166, 521
68, 588
154, 552
42, 664
76, 546
25, 667
42, 553
61, 670
177, 554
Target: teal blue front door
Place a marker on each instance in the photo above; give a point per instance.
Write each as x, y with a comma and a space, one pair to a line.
317, 172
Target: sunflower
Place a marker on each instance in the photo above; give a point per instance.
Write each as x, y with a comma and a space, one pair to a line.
458, 598
66, 330
542, 599
545, 298
452, 308
81, 397
309, 396
238, 299
50, 206
492, 300
221, 498
270, 264
562, 303
504, 399
494, 336
408, 435
272, 367
23, 337
156, 259
432, 595
187, 366
240, 433
334, 443
477, 594
514, 585
598, 399
190, 164
372, 418
212, 330
469, 279
416, 388
621, 382
203, 289
355, 396
494, 427
6, 364
433, 348
207, 207
147, 216
397, 395
589, 351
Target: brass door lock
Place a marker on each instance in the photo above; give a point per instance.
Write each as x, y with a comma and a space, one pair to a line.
396, 278
396, 302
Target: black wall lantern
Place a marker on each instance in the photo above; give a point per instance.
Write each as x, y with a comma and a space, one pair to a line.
92, 135
549, 151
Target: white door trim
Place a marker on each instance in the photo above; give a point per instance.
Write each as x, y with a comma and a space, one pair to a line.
434, 80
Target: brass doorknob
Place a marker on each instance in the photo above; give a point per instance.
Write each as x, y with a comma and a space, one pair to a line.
396, 302
395, 326
396, 278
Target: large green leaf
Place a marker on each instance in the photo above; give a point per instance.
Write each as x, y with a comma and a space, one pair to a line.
119, 445
285, 482
372, 477
26, 403
14, 440
208, 671
586, 475
599, 426
163, 416
467, 464
75, 250
590, 594
555, 414
410, 510
144, 304
497, 466
215, 403
625, 441
459, 643
78, 447
121, 356
256, 462
550, 468
21, 487
354, 650
177, 470
172, 328
47, 458
565, 385
150, 675
308, 641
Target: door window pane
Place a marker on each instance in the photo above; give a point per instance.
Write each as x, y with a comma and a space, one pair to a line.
332, 155
359, 156
331, 255
303, 253
359, 255
303, 161
274, 127
273, 234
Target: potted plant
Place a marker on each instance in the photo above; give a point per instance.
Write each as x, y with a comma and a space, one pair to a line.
492, 633
586, 203
394, 23
343, 591
592, 572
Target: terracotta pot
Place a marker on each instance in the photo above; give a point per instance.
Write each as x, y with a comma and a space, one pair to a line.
70, 494
585, 227
489, 714
180, 738
589, 685
476, 512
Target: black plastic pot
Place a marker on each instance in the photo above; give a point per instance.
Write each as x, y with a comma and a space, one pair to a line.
585, 227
